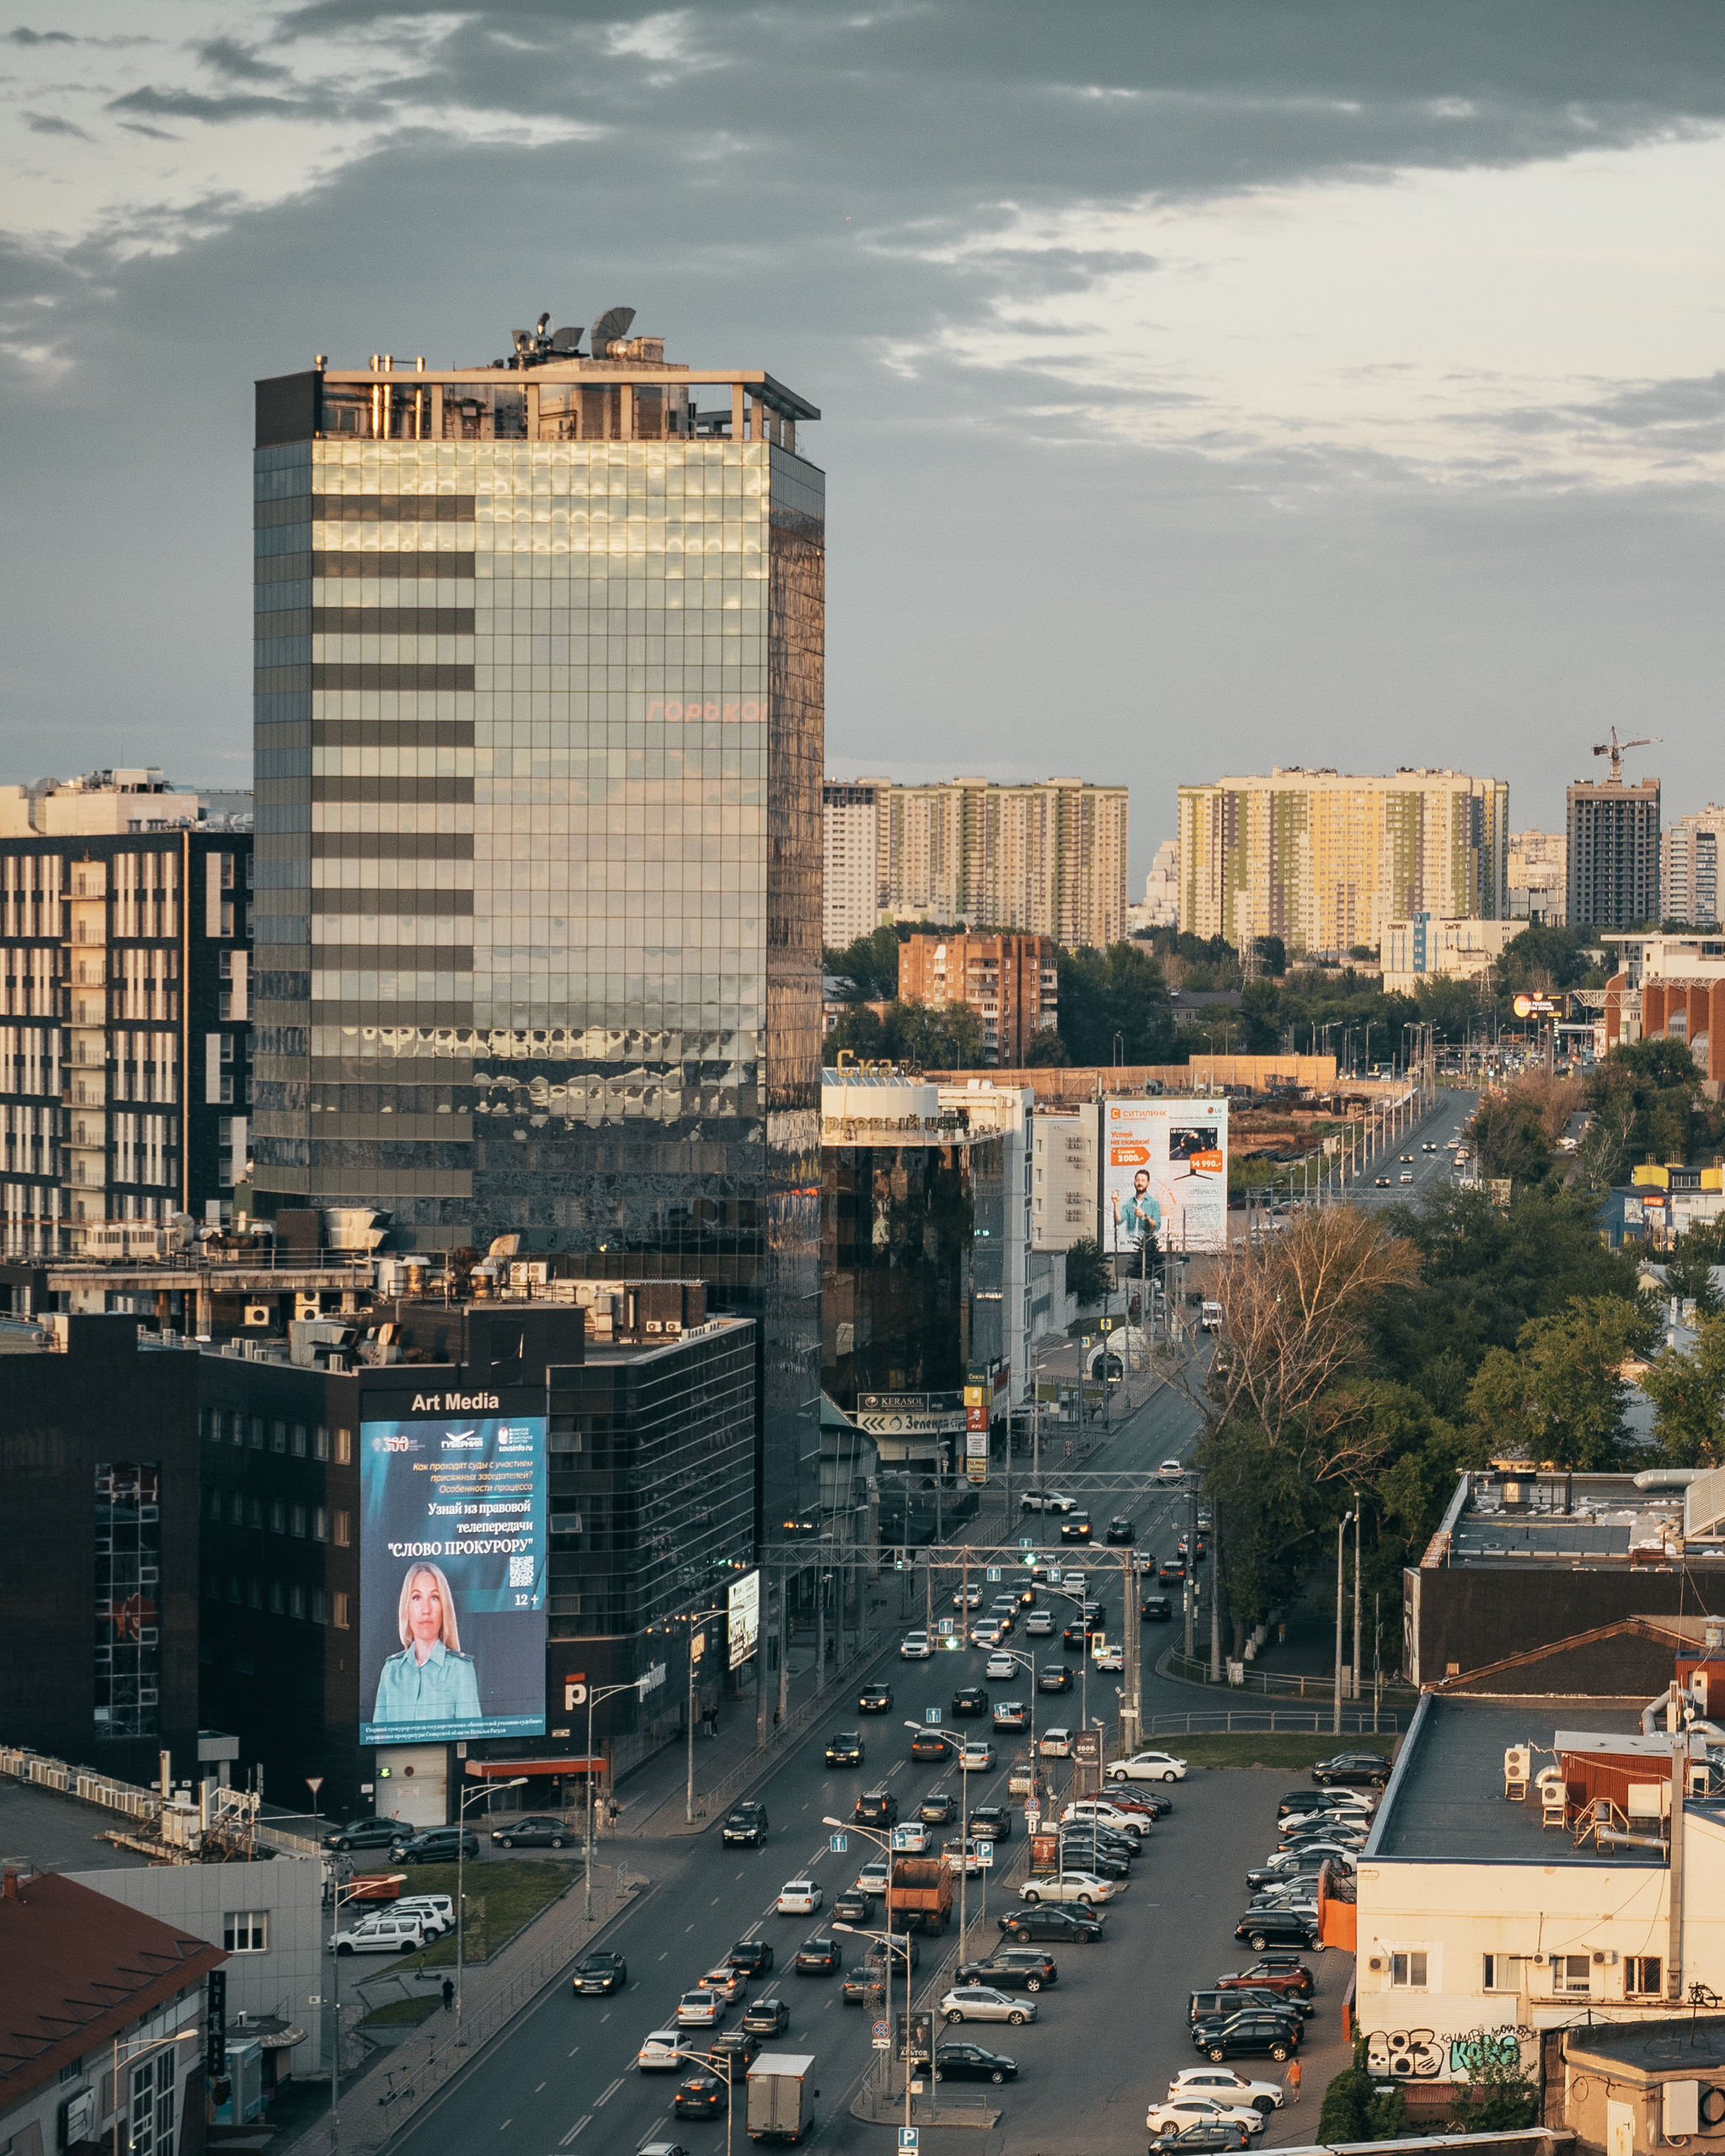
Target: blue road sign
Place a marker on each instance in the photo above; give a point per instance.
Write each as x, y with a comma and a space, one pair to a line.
1026, 1541
838, 1844
932, 1716
994, 1572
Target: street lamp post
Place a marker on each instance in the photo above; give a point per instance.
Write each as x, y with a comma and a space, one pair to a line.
122, 2099
336, 1899
884, 1842
1341, 1538
725, 2066
597, 1694
473, 1796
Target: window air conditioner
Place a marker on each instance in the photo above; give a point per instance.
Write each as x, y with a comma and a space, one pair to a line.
1376, 1962
257, 1313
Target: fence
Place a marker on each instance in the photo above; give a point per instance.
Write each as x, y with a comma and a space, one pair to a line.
1243, 1721
1195, 1670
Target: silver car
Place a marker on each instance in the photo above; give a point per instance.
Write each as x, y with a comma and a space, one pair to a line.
979, 2002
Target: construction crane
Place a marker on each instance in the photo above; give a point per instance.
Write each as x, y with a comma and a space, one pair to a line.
1617, 751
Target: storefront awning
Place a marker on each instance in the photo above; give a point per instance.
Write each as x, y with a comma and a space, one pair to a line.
495, 1770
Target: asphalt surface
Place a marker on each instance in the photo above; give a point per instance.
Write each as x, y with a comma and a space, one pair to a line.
1453, 1111
1110, 2034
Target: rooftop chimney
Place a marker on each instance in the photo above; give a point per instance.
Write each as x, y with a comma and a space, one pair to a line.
8, 1887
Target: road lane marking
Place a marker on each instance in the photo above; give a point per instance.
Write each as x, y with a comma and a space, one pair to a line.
576, 2127
505, 2127
604, 2018
542, 2084
609, 2093
666, 1955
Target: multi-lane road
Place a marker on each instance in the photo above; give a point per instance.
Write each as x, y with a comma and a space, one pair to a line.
561, 2077
1451, 1112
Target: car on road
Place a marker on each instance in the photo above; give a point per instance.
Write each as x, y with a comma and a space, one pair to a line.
1191, 2108
876, 1808
1084, 1887
1407, 1156
701, 2096
971, 2062
969, 1700
977, 1756
1284, 1972
436, 1845
1053, 1677
726, 1979
1147, 1767
365, 1834
1121, 1529
1297, 1801
1357, 1770
930, 1744
863, 1985
1222, 2085
983, 2002
875, 1699
1184, 1547
1012, 1969
1171, 1470
913, 1647
877, 1952
798, 1897
1250, 2031
909, 1838
766, 2017
1000, 1665
740, 2045
817, 1957
1171, 1572
845, 1749
1405, 1177
1265, 1928
936, 1808
852, 1908
659, 2051
962, 1854
991, 1823
701, 2010
1047, 1500
988, 1633
1076, 1636
1110, 1658
1155, 1610
1079, 1926
1039, 1625
1055, 1744
744, 1827
1011, 1714
753, 1956
599, 1972
1380, 1182
871, 1880
967, 1598
1075, 1528
536, 1830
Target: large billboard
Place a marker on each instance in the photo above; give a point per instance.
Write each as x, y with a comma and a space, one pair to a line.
742, 1612
452, 1576
1165, 1173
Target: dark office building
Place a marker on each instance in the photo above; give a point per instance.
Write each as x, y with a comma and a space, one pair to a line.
99, 1459
539, 724
650, 1485
1614, 854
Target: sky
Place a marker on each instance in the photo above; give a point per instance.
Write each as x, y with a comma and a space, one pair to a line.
1205, 387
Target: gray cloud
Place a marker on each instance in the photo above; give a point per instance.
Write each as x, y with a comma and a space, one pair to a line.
188, 104
45, 123
226, 56
24, 36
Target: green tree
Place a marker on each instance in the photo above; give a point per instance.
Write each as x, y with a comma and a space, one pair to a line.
1089, 1275
1650, 1091
1559, 1397
1448, 1006
1688, 1393
868, 968
1501, 2096
1541, 957
1690, 1263
1509, 1140
1120, 991
1355, 2109
862, 1031
1046, 1049
1272, 954
1260, 1018
928, 1036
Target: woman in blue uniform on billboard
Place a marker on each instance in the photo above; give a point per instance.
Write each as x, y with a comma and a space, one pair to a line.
431, 1680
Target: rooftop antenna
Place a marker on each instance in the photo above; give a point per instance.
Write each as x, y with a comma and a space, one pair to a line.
1617, 751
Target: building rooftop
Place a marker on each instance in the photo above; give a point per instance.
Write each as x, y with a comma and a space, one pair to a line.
1446, 1804
1510, 1519
1693, 2043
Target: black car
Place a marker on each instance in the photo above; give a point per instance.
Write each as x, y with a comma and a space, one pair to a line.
930, 1744
1172, 1572
852, 1907
969, 1700
990, 1822
535, 1831
937, 1808
1121, 1529
1075, 1528
1296, 1800
766, 2017
739, 2047
845, 1749
1155, 1610
1076, 1637
1357, 1770
436, 1845
365, 1834
875, 1699
744, 1826
1053, 1677
1202, 2136
971, 2062
702, 2096
1254, 2031
1084, 1856
1009, 1971
599, 1972
1219, 2005
863, 1985
1051, 1923
876, 1808
1265, 1928
817, 1957
753, 1956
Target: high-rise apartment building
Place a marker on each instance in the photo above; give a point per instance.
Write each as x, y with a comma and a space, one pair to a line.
1614, 854
1689, 854
125, 1028
1012, 984
850, 889
539, 715
1324, 860
1539, 877
1161, 892
1049, 858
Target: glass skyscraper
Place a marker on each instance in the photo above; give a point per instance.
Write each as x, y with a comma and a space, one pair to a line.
539, 723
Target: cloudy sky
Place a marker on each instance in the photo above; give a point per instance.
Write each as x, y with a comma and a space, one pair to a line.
1206, 386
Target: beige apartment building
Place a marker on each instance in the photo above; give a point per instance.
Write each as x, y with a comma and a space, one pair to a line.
850, 889
1538, 878
1047, 859
1011, 981
1325, 859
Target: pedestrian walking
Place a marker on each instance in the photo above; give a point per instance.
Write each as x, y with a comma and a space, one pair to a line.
449, 1994
1292, 2080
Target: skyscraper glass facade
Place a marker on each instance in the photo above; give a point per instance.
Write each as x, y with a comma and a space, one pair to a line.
539, 728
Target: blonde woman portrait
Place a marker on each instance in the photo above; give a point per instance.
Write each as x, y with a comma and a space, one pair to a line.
431, 1680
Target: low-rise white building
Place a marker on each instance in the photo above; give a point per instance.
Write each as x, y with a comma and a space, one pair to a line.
1065, 1181
1422, 947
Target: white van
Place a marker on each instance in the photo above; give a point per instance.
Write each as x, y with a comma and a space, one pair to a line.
394, 1934
435, 1911
1210, 1317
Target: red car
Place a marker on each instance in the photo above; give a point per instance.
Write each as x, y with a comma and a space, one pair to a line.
1274, 1972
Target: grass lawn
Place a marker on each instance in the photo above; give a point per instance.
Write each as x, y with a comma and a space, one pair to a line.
396, 2013
503, 1894
1281, 1752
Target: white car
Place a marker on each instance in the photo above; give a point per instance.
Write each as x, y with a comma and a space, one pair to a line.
909, 1838
1175, 2112
1222, 2085
1111, 1658
1039, 1625
982, 2003
1170, 1471
380, 1935
1047, 1500
658, 2052
435, 1911
1133, 1823
1148, 1767
701, 2010
913, 1647
1001, 1665
1083, 1886
1055, 1744
967, 1598
872, 1878
798, 1897
986, 1634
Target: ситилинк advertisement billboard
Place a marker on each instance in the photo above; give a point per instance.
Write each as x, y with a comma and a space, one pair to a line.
1165, 1178
452, 1578
742, 1612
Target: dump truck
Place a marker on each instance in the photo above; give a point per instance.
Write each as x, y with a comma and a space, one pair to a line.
781, 2097
922, 1888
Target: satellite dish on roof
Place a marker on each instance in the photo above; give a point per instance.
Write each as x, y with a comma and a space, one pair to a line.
566, 342
613, 323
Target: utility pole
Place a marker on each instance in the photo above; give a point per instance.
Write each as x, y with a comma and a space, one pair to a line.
1341, 1540
1356, 1594
1216, 1595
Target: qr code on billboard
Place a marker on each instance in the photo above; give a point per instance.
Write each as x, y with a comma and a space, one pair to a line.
521, 1571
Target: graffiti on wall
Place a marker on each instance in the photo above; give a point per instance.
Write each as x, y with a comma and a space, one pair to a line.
1404, 2052
1422, 2055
